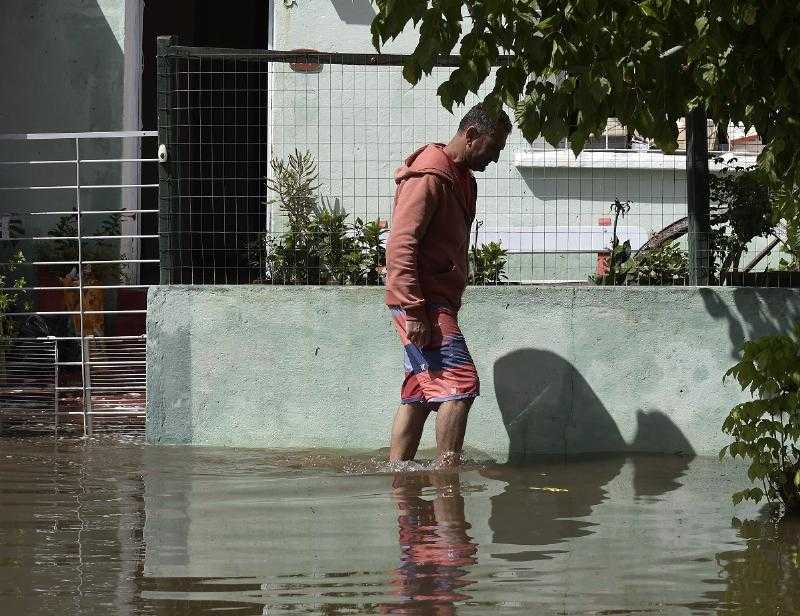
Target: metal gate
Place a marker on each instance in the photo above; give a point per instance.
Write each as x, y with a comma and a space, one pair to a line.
79, 250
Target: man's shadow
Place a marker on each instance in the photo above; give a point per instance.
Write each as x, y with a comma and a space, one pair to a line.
547, 406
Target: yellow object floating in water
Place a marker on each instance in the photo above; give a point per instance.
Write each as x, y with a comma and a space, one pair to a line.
549, 489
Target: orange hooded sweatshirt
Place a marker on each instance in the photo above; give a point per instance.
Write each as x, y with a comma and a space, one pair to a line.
427, 253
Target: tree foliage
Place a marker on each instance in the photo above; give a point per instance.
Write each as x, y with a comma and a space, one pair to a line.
565, 66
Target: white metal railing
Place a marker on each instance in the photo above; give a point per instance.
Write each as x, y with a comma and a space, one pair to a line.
106, 374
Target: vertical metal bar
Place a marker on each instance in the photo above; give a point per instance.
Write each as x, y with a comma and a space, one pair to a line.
87, 419
55, 380
87, 379
167, 166
697, 197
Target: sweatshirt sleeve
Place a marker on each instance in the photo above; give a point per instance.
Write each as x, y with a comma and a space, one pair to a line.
416, 203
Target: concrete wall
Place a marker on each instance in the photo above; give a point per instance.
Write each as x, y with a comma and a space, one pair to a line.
563, 370
62, 71
62, 65
331, 25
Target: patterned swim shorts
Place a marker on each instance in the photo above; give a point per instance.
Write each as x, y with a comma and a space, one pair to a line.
442, 370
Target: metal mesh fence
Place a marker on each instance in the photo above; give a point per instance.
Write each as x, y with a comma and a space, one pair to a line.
251, 136
213, 114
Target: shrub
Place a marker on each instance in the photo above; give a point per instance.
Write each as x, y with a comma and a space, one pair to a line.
93, 250
318, 245
489, 262
13, 299
765, 430
665, 265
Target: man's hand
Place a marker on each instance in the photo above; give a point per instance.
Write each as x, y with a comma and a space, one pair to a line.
419, 332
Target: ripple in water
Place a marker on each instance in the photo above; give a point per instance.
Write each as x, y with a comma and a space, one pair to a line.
116, 527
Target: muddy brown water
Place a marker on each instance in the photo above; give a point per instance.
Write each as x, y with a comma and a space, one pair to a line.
112, 526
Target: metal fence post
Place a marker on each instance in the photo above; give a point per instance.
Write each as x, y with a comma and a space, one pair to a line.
55, 380
87, 419
87, 383
698, 214
166, 164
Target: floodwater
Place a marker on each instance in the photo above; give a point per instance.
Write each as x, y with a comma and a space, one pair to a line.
111, 526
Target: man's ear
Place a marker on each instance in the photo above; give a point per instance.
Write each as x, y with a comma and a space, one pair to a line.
471, 134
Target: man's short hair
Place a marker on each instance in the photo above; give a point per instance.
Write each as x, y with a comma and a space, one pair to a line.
480, 117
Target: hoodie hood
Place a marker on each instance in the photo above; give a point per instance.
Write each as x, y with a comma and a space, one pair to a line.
429, 158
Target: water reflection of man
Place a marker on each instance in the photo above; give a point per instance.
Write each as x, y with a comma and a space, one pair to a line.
434, 543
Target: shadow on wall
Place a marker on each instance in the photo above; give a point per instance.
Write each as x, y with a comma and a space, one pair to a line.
644, 185
66, 53
356, 12
78, 62
761, 312
548, 408
169, 335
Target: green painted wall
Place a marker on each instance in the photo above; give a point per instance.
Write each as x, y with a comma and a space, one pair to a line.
563, 370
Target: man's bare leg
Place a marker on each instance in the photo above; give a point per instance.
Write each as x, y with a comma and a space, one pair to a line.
451, 425
407, 431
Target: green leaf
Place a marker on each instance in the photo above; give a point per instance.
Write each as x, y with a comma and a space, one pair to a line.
548, 23
577, 141
528, 119
411, 71
648, 9
444, 92
701, 25
749, 15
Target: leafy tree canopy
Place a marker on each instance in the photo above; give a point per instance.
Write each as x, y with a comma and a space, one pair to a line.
566, 66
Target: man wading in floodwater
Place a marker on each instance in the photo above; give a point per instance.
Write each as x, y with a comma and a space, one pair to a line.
427, 270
